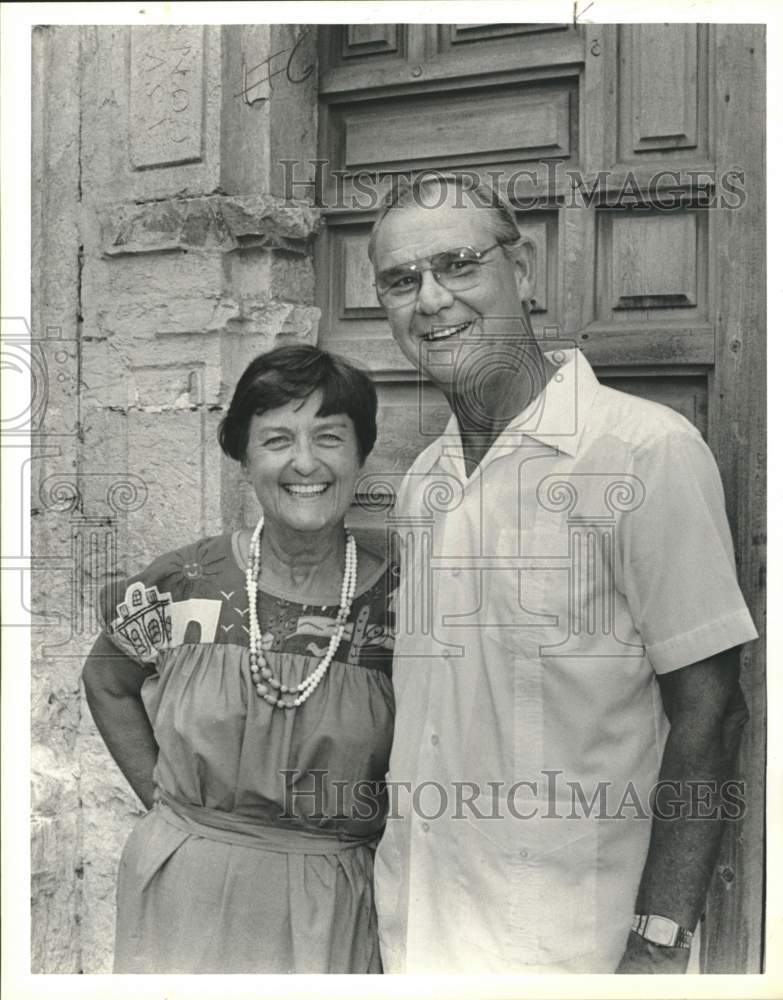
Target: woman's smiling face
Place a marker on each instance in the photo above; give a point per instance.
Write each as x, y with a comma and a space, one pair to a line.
303, 467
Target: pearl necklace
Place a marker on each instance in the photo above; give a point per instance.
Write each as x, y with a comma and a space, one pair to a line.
263, 679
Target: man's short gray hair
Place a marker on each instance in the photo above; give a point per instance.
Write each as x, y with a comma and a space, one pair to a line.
501, 220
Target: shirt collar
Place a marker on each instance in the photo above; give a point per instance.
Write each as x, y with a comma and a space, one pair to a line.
556, 417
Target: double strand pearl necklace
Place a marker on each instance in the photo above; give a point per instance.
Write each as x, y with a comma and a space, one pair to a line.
266, 684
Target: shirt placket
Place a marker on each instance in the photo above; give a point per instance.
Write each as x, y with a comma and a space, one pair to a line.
435, 870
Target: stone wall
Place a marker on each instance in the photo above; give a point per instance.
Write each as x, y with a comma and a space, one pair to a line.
165, 256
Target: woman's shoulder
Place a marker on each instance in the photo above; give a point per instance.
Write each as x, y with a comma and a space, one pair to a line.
191, 561
176, 573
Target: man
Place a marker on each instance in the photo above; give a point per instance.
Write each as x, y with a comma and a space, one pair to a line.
568, 707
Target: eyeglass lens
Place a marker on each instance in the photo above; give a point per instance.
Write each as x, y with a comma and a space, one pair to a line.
456, 270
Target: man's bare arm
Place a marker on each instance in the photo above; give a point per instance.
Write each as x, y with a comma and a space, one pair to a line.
706, 711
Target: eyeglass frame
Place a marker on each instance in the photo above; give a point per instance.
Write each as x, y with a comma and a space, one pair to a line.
420, 271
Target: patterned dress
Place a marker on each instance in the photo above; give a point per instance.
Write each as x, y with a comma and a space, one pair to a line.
258, 853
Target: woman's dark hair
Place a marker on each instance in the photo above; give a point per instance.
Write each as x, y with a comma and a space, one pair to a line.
287, 373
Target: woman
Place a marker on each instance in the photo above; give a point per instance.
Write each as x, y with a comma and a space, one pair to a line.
243, 685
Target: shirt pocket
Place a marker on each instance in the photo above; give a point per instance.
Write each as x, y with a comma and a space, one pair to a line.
529, 601
532, 898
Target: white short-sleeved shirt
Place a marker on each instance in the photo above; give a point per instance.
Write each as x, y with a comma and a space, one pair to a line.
539, 598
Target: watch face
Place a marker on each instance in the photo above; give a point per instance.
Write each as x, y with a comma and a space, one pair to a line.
660, 931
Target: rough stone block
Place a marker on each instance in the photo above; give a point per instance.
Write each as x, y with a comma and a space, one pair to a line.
56, 894
167, 373
215, 222
247, 90
279, 320
62, 626
165, 114
153, 277
293, 113
248, 272
104, 381
177, 458
109, 811
138, 116
277, 274
55, 178
186, 311
56, 708
54, 861
59, 366
293, 278
262, 218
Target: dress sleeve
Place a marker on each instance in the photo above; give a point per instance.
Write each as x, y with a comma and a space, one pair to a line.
136, 610
677, 557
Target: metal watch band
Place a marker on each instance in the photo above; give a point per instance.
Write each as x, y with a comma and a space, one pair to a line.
661, 931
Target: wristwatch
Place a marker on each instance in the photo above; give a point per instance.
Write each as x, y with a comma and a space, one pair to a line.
661, 931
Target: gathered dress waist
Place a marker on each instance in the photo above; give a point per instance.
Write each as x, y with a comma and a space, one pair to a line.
244, 831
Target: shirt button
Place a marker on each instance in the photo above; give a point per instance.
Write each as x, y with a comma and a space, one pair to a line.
456, 572
434, 739
445, 653
425, 827
523, 854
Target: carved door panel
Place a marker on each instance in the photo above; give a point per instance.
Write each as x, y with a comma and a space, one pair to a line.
616, 145
403, 98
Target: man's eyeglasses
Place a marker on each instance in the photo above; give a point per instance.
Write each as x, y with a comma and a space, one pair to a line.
457, 270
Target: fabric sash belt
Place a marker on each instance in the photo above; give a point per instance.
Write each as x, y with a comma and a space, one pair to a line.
243, 831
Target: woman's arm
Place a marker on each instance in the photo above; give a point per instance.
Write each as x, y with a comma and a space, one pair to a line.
112, 682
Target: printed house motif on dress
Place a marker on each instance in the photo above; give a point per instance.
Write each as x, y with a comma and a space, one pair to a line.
144, 619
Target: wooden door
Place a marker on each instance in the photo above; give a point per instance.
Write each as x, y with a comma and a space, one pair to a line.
617, 146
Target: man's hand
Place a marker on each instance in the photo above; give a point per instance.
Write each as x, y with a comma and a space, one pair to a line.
642, 957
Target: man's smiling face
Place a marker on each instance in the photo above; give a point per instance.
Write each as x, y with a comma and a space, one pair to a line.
440, 331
